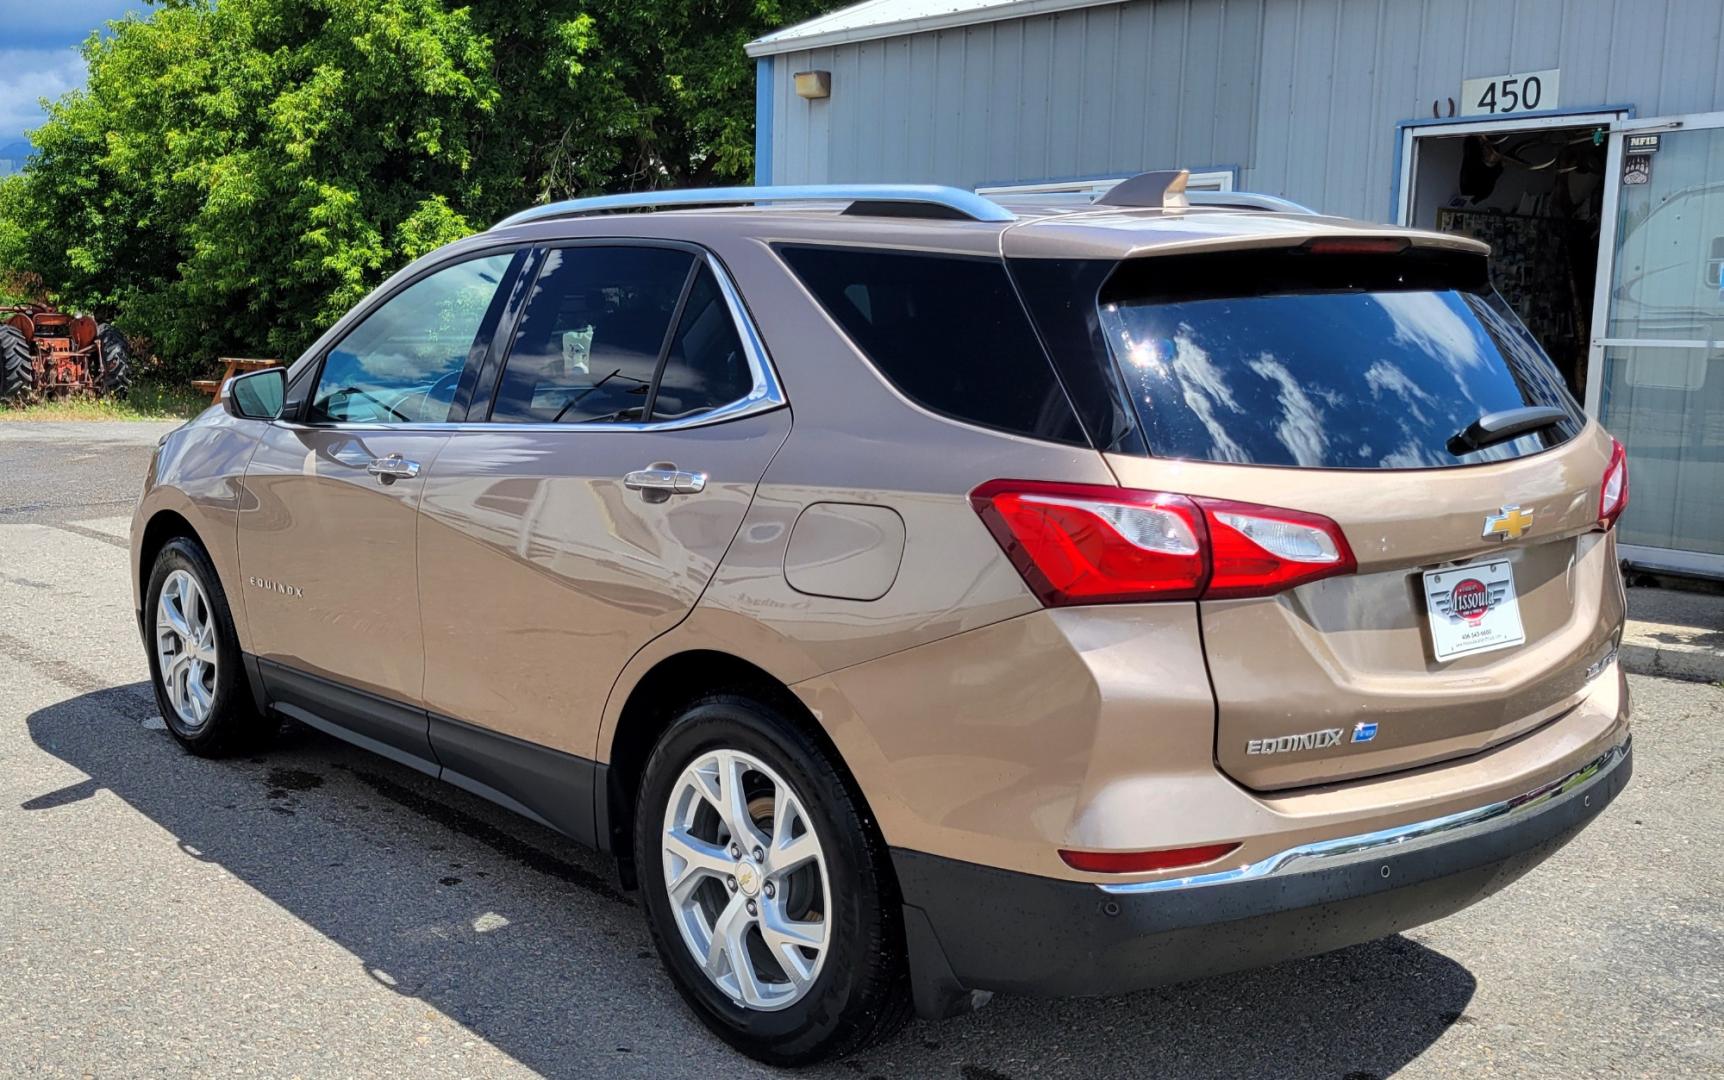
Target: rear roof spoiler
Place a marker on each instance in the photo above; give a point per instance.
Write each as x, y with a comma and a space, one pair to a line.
1167, 191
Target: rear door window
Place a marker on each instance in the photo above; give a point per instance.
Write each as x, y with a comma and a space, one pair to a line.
1374, 370
947, 331
706, 367
587, 347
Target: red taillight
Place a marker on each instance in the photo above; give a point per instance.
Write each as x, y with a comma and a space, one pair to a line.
1260, 550
1079, 544
1613, 492
1138, 862
1089, 544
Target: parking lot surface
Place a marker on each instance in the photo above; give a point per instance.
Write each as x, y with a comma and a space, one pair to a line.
318, 912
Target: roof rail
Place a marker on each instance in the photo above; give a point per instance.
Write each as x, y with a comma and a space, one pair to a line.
919, 200
1247, 200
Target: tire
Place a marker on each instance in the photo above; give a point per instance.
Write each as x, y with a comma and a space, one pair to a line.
855, 990
17, 366
115, 376
222, 719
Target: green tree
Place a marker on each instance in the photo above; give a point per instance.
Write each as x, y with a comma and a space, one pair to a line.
237, 174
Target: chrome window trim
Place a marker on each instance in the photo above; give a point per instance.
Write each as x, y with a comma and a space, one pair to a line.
766, 394
1365, 847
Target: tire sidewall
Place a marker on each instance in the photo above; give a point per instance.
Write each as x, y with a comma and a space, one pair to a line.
232, 705
16, 365
116, 374
798, 1032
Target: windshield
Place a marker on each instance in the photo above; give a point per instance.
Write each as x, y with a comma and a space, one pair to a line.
1331, 380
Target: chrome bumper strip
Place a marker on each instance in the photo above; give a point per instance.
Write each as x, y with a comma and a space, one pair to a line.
1400, 839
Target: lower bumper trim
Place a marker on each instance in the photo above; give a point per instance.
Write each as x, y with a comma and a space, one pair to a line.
1365, 847
991, 929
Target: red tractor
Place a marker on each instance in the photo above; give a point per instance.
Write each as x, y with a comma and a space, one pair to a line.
45, 352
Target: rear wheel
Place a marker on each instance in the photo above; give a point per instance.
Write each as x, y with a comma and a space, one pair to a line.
195, 661
17, 370
115, 378
769, 899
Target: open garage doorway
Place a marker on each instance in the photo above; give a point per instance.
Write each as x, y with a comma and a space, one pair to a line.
1532, 188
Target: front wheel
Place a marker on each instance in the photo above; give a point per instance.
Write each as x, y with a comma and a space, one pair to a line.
195, 660
768, 897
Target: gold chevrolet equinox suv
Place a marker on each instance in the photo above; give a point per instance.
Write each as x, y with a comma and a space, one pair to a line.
923, 596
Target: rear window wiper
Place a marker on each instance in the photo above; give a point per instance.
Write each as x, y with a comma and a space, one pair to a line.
1496, 427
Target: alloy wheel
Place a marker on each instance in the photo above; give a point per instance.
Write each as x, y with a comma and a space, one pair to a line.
186, 649
746, 876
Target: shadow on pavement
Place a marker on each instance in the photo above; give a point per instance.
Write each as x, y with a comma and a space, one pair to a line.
424, 885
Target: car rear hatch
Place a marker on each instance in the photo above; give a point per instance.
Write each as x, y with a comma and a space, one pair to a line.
1472, 590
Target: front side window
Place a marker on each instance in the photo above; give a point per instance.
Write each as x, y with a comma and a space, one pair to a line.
402, 363
588, 345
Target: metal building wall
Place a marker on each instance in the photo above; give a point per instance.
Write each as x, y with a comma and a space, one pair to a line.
1302, 96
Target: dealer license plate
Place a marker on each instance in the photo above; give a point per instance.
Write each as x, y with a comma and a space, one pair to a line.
1473, 609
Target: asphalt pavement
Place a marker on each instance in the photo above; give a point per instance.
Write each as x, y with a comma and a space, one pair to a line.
317, 912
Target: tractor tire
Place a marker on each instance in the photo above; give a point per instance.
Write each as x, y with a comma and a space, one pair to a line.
17, 367
115, 376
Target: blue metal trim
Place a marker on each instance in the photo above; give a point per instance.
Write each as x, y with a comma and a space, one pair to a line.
764, 93
1402, 125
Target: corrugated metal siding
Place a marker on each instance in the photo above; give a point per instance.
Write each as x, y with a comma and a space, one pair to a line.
1079, 93
1301, 95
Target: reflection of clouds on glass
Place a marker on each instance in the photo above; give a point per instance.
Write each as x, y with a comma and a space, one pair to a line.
1203, 387
1383, 375
1410, 455
1301, 426
1426, 321
406, 369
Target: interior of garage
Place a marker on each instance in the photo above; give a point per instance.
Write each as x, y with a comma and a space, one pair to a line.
1536, 197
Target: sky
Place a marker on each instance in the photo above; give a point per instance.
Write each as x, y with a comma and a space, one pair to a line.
39, 55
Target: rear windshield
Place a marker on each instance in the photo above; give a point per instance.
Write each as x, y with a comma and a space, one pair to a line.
1303, 366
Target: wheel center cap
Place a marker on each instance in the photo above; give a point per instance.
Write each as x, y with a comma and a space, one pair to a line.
748, 877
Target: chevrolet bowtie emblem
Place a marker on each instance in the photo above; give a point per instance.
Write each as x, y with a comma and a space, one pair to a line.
1509, 524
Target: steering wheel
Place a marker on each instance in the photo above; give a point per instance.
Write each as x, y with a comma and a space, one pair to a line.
369, 396
453, 378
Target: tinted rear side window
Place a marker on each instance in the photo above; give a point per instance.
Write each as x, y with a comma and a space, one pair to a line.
947, 331
1373, 372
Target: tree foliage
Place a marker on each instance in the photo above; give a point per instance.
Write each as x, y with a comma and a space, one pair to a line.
237, 174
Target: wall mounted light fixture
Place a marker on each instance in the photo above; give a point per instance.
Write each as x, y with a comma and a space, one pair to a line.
813, 84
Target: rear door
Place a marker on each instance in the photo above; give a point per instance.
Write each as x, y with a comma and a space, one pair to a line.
1341, 385
627, 429
327, 535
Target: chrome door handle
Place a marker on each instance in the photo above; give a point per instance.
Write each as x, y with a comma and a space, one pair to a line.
393, 467
665, 481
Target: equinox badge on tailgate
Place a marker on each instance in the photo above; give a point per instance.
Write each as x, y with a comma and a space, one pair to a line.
1310, 740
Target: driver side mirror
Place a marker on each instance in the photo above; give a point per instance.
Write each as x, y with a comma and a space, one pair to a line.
256, 395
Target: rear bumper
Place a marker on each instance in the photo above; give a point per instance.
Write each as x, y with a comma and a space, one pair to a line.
973, 927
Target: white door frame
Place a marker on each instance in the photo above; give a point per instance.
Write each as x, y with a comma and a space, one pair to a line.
1690, 562
1610, 119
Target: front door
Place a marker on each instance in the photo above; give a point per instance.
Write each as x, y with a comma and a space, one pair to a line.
327, 547
628, 429
1659, 352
